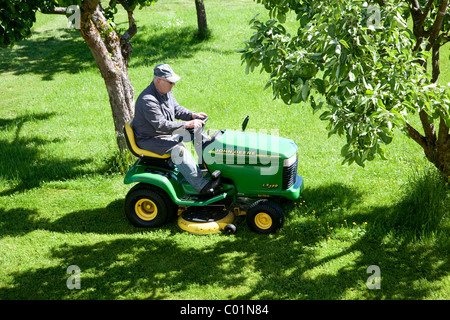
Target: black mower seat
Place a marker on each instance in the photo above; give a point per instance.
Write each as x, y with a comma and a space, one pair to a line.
138, 152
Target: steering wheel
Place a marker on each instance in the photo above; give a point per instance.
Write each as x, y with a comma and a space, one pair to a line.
204, 120
192, 130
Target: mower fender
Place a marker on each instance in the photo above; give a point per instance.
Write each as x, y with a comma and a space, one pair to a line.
169, 182
160, 179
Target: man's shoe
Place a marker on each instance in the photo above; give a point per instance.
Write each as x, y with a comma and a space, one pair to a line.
211, 186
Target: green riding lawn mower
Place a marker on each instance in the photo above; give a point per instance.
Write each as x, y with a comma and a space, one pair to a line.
257, 172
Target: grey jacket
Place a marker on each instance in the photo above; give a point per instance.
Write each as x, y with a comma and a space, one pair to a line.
154, 120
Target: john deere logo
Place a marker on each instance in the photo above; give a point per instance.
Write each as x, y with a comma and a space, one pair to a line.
235, 152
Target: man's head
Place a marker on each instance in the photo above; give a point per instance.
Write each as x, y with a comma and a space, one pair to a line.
164, 78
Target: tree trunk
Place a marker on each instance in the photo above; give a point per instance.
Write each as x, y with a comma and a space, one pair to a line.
104, 44
443, 150
435, 145
201, 19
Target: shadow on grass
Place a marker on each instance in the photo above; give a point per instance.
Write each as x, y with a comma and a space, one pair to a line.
47, 55
108, 220
422, 211
167, 44
22, 163
318, 207
287, 265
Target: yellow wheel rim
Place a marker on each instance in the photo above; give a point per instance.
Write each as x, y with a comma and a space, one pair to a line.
146, 209
263, 221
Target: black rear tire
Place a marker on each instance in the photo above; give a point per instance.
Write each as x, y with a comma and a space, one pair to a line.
146, 207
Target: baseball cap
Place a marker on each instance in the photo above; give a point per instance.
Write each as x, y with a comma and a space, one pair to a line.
165, 71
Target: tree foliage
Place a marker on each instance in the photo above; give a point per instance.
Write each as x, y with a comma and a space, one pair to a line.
17, 18
358, 64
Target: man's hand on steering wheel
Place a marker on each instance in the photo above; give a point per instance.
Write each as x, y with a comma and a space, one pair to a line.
200, 115
198, 121
194, 124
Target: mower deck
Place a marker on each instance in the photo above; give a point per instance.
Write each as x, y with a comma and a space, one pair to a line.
206, 220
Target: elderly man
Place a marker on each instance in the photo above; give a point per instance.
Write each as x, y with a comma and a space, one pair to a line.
154, 122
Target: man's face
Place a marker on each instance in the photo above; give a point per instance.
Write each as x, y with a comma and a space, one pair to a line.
163, 85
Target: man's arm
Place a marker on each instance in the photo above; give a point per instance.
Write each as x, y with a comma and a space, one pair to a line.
157, 120
181, 112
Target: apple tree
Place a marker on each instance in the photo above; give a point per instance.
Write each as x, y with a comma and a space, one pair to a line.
363, 67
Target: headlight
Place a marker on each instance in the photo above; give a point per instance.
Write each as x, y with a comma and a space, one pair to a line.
290, 161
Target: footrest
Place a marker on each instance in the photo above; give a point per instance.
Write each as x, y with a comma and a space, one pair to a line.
197, 200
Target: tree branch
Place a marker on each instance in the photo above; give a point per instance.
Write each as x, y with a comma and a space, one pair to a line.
424, 13
132, 28
415, 7
87, 10
444, 136
430, 131
417, 137
427, 10
56, 10
436, 71
437, 26
419, 17
111, 37
91, 33
125, 43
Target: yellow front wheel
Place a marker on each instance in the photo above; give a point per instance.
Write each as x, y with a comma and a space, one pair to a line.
265, 216
263, 220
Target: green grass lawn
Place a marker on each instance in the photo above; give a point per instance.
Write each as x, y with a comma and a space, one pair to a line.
61, 204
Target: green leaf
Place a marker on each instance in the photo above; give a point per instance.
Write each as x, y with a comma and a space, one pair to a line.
320, 85
344, 149
325, 115
308, 70
305, 91
343, 42
281, 17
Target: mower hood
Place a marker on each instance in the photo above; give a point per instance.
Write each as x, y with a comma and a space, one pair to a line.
252, 145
